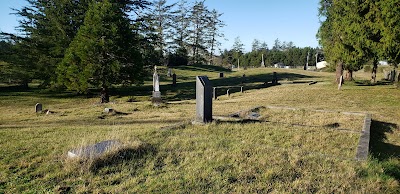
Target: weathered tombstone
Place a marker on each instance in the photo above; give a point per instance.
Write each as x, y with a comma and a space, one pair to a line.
38, 107
340, 83
156, 99
95, 150
274, 78
169, 74
204, 96
262, 61
221, 74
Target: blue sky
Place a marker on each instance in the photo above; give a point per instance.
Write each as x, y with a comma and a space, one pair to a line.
265, 20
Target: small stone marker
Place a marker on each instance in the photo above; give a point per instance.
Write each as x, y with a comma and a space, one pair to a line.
204, 94
221, 74
108, 110
174, 79
274, 78
38, 108
95, 150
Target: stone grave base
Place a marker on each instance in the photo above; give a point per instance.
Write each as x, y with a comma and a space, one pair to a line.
156, 99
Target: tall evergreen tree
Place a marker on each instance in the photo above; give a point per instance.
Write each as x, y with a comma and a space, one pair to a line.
198, 20
105, 51
213, 32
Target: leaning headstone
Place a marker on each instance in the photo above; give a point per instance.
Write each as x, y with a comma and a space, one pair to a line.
204, 94
95, 150
340, 83
38, 107
156, 99
174, 79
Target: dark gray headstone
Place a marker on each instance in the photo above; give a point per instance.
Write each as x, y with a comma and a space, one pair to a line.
95, 150
274, 78
221, 74
204, 94
38, 107
174, 79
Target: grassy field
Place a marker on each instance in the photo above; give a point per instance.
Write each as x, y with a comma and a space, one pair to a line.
290, 151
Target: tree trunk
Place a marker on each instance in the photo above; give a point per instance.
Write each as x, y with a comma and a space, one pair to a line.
374, 69
104, 96
349, 75
339, 71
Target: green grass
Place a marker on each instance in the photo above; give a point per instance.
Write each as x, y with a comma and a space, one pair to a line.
291, 151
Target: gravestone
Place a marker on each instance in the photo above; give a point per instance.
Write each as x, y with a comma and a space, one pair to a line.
174, 79
204, 94
38, 107
108, 110
274, 78
340, 83
156, 99
221, 74
262, 61
95, 150
169, 74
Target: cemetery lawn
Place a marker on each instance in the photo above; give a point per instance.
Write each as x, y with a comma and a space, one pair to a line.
289, 151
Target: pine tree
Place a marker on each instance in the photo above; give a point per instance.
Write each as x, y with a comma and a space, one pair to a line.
104, 52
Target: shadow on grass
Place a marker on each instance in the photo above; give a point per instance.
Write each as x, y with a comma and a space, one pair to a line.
383, 151
187, 90
181, 91
136, 157
368, 83
203, 68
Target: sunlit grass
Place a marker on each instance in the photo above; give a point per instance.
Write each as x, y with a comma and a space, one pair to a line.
290, 151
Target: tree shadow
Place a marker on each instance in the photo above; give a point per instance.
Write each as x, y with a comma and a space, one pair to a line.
382, 151
187, 90
378, 146
368, 83
203, 68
